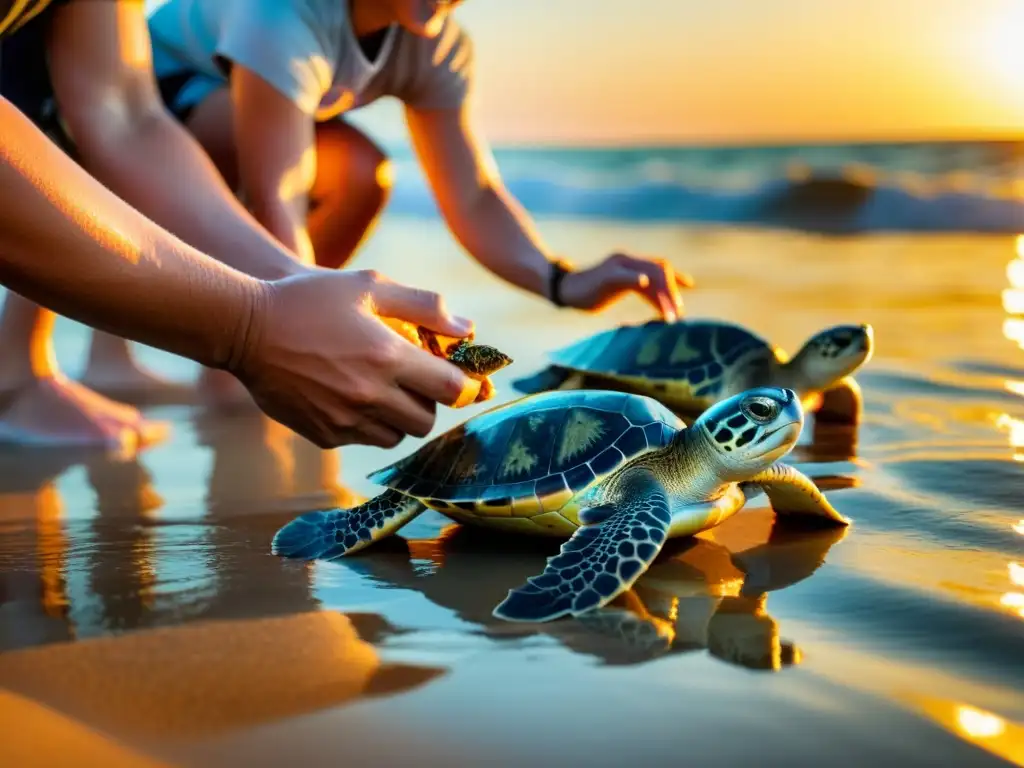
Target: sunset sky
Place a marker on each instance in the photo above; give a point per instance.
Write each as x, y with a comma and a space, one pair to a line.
639, 71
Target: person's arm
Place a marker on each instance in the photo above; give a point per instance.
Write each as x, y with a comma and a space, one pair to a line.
497, 232
71, 245
276, 145
101, 65
314, 349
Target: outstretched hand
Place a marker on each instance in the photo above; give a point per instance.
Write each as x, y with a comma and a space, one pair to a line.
320, 359
622, 273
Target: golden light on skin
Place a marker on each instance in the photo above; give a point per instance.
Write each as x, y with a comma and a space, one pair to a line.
298, 180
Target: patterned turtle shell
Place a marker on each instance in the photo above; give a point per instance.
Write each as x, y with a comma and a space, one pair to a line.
533, 454
696, 352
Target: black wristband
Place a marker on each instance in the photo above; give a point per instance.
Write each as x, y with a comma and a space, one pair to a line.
559, 270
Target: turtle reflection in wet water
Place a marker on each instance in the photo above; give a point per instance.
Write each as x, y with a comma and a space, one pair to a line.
701, 594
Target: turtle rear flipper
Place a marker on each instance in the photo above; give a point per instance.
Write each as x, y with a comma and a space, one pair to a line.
613, 546
548, 379
327, 534
791, 492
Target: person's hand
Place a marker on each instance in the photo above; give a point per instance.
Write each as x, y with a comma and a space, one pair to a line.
319, 359
621, 273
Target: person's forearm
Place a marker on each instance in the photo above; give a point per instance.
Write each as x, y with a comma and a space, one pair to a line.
154, 163
498, 233
287, 224
74, 247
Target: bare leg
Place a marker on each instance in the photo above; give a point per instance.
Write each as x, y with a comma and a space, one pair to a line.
211, 124
315, 478
351, 188
113, 370
41, 407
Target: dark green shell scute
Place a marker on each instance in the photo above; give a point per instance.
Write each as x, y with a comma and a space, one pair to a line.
637, 410
579, 477
494, 500
550, 485
634, 441
537, 445
653, 433
423, 489
607, 460
710, 347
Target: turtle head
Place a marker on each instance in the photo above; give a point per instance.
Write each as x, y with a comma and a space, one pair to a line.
750, 431
478, 360
830, 355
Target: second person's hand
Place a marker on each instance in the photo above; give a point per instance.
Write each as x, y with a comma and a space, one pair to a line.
621, 273
318, 358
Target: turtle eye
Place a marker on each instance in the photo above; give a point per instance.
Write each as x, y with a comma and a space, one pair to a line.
760, 409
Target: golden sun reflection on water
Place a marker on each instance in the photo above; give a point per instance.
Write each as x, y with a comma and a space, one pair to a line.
1013, 297
984, 729
1015, 432
978, 724
1015, 600
1013, 329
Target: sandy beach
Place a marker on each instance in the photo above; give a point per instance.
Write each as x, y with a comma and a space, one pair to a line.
143, 620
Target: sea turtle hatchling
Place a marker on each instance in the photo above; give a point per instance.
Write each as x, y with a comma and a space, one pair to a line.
614, 473
478, 361
691, 364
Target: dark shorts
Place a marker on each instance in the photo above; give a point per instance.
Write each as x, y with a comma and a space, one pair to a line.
182, 87
25, 79
25, 76
171, 87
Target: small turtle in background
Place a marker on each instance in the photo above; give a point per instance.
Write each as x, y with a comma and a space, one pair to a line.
690, 364
614, 473
478, 361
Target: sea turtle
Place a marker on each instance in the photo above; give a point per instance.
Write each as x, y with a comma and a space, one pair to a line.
691, 364
478, 361
615, 473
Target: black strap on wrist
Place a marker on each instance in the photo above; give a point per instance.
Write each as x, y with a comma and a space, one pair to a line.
559, 269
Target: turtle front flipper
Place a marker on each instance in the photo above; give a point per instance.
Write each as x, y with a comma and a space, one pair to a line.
791, 492
328, 534
841, 404
549, 379
613, 546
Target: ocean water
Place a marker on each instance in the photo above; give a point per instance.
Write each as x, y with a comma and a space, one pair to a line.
847, 188
143, 620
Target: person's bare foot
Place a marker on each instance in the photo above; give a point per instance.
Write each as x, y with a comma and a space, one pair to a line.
113, 369
55, 412
129, 382
315, 477
220, 391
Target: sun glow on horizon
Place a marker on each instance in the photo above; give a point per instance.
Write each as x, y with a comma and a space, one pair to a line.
604, 72
1002, 51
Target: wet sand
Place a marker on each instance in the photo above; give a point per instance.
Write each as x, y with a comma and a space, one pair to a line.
144, 622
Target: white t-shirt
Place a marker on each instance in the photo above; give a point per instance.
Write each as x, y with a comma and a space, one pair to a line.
307, 50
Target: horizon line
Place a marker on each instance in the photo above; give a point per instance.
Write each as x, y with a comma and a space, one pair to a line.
709, 142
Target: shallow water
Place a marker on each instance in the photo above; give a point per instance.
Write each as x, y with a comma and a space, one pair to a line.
826, 188
138, 598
